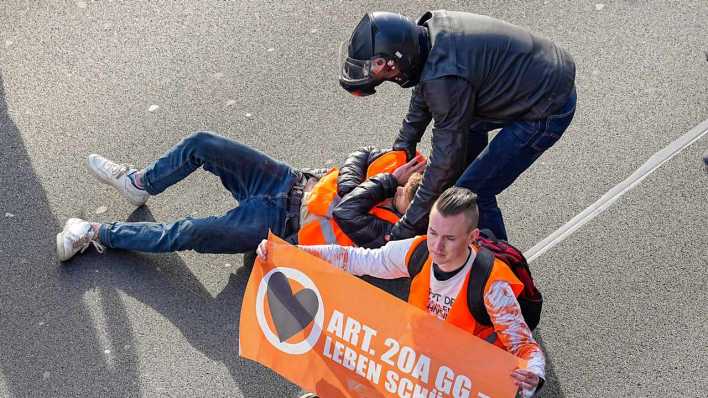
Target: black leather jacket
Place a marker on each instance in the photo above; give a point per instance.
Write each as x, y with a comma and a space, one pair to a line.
477, 68
359, 195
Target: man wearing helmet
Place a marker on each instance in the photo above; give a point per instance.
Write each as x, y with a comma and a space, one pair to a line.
472, 74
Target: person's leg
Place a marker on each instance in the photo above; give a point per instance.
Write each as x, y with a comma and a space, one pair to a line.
244, 171
238, 231
490, 215
478, 139
226, 158
508, 155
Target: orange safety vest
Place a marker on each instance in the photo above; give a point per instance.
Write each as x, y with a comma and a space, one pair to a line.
460, 314
319, 227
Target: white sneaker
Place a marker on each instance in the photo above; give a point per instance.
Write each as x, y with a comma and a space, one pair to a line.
117, 175
77, 235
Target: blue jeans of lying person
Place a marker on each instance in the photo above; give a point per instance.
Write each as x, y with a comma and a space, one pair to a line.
495, 166
259, 183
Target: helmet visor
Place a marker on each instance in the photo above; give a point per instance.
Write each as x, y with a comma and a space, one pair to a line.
356, 74
354, 70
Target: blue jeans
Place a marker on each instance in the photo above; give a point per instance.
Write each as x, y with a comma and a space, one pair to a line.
259, 183
493, 167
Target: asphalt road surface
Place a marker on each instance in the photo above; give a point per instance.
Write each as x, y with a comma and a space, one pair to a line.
626, 294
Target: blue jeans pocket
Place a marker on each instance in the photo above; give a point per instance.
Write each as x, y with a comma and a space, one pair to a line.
554, 127
544, 141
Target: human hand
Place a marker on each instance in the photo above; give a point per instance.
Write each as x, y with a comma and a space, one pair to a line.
262, 250
402, 230
526, 380
403, 172
405, 146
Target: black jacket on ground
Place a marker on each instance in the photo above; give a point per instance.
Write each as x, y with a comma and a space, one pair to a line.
359, 195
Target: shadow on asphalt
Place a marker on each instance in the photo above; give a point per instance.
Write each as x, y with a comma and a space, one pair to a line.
57, 321
48, 342
210, 324
552, 388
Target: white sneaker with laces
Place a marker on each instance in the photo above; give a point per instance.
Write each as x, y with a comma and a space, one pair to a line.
116, 175
76, 236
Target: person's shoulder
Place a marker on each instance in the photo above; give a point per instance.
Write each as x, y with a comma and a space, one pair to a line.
403, 244
369, 151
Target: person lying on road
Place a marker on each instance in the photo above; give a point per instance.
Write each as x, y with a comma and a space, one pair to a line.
355, 205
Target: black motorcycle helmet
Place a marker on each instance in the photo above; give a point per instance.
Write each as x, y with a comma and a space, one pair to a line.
381, 34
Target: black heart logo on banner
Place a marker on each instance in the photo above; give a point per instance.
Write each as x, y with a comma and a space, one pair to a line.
291, 313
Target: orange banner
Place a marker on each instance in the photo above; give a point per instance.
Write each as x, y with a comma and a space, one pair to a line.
338, 336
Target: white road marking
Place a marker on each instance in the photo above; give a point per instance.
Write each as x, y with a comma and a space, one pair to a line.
620, 189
